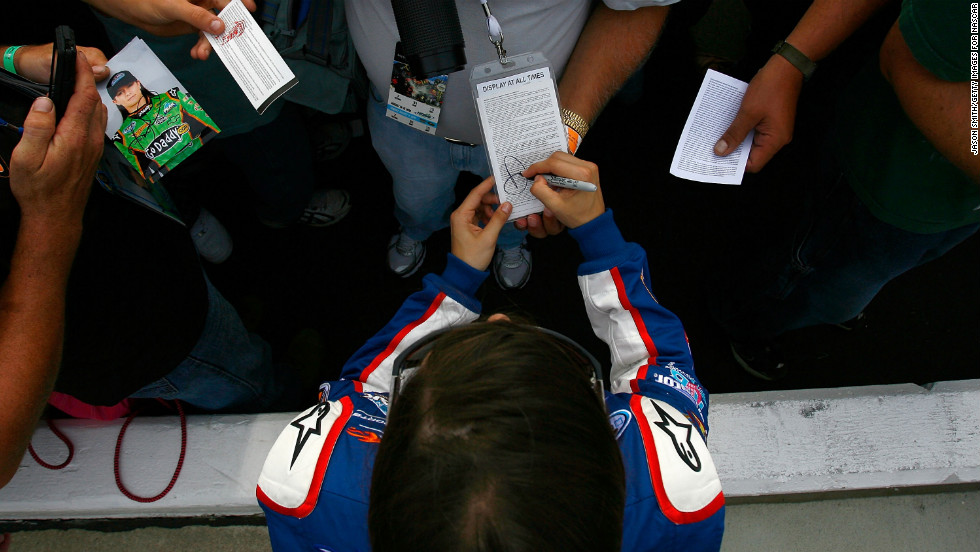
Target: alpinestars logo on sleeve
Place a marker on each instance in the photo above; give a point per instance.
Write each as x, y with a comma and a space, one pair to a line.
308, 424
680, 434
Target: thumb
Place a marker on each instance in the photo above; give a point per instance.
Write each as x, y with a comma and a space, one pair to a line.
736, 132
198, 17
498, 220
38, 129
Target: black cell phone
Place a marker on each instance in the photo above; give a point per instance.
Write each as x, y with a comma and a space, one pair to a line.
62, 69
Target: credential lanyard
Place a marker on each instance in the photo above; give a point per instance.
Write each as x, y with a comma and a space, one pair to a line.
495, 33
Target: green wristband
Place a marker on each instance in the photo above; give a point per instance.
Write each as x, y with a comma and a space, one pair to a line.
8, 59
795, 57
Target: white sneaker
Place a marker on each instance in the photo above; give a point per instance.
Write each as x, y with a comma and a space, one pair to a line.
512, 267
211, 238
405, 255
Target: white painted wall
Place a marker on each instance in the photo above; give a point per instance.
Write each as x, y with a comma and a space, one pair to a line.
766, 446
846, 439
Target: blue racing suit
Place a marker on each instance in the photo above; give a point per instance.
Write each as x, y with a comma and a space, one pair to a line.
315, 484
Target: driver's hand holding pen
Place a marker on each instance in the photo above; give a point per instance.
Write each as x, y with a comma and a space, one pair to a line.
562, 206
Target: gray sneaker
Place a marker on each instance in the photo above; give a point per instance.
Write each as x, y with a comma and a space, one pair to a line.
405, 255
512, 267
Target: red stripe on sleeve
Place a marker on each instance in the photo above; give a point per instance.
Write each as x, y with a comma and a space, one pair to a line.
433, 307
656, 478
304, 509
641, 328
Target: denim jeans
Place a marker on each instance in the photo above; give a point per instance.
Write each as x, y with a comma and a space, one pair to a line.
424, 170
839, 259
228, 368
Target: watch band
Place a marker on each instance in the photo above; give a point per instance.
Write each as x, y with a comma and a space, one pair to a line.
795, 57
575, 122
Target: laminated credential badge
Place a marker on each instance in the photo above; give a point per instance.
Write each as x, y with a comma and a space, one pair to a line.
517, 103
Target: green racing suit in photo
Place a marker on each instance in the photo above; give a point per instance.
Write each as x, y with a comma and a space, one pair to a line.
163, 133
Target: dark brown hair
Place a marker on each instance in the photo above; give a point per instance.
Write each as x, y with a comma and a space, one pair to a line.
147, 95
498, 443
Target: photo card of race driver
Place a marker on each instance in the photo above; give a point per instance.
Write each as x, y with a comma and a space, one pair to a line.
153, 121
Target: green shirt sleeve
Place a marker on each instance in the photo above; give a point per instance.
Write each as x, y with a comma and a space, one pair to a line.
938, 34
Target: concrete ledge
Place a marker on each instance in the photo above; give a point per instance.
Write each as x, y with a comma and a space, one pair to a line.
778, 444
767, 446
224, 456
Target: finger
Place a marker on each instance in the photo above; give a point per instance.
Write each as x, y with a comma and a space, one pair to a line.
755, 161
552, 226
557, 163
764, 148
220, 4
96, 127
567, 166
735, 133
497, 221
38, 130
490, 198
197, 17
97, 61
84, 78
535, 228
541, 190
202, 49
94, 55
474, 198
83, 124
472, 207
84, 99
100, 72
485, 213
759, 159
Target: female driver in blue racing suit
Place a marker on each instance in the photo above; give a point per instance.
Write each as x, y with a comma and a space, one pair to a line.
333, 468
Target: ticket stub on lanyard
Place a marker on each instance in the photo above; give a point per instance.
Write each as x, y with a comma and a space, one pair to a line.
414, 102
